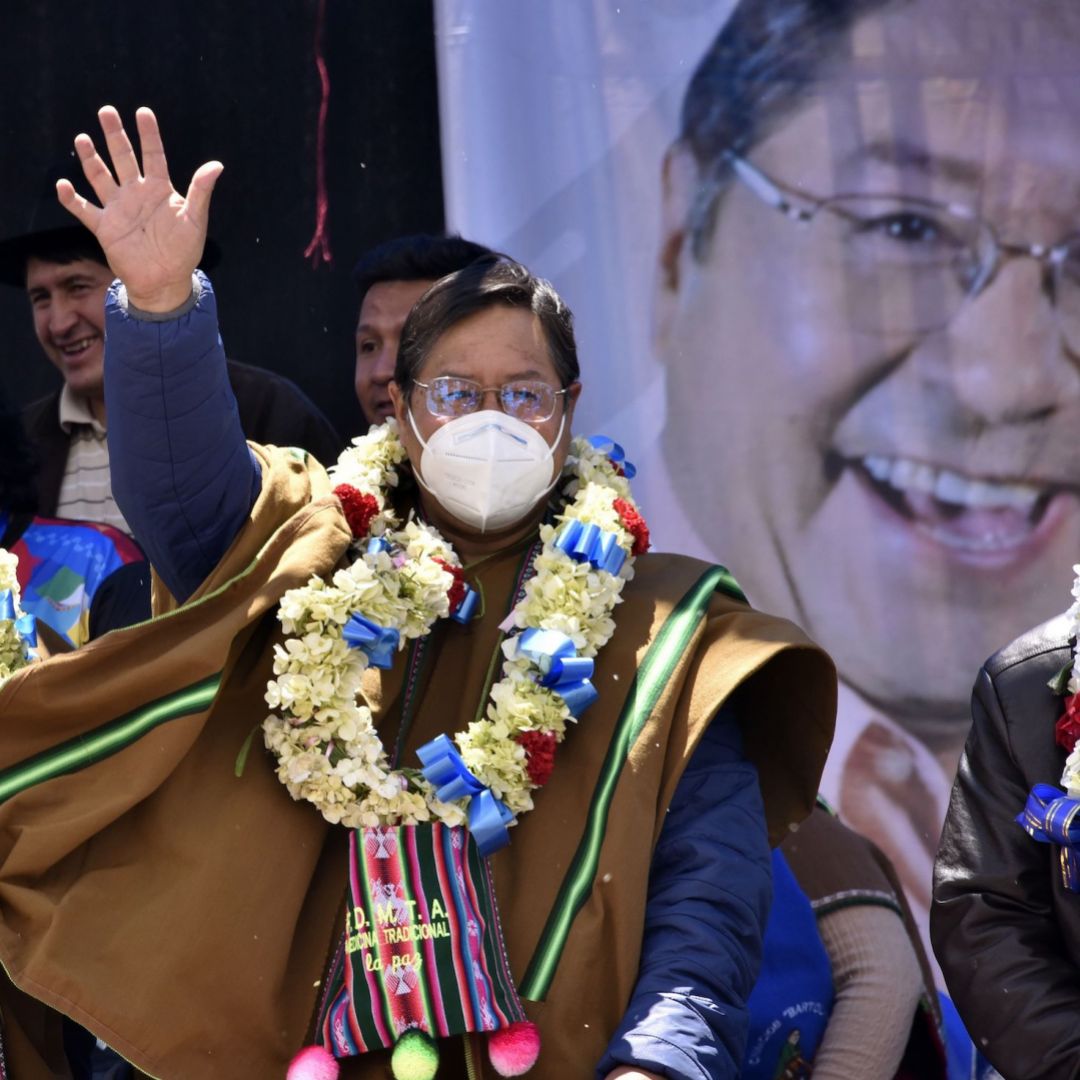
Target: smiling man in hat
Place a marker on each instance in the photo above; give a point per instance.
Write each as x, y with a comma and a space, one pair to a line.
65, 275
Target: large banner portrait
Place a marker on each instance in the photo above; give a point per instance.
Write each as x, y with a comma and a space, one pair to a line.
824, 257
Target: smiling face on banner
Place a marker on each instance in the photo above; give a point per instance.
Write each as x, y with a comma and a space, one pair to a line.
870, 323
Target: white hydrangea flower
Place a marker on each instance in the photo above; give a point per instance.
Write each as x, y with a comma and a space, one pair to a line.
1073, 616
9, 565
1070, 778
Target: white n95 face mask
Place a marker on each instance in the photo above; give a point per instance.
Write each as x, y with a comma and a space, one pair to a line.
487, 469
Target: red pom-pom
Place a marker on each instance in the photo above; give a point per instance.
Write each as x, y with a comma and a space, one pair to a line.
540, 746
634, 524
1067, 729
514, 1050
313, 1063
359, 508
456, 593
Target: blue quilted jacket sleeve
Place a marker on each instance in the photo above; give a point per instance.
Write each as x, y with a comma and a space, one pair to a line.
709, 894
181, 470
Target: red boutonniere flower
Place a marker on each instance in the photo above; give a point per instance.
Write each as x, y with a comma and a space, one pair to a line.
540, 746
359, 508
456, 593
634, 524
1067, 729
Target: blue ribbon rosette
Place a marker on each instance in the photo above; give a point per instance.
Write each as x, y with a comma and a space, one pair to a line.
590, 543
452, 780
615, 453
377, 642
25, 625
562, 670
26, 628
1051, 817
467, 608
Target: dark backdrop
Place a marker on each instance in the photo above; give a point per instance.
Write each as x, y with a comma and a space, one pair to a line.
236, 80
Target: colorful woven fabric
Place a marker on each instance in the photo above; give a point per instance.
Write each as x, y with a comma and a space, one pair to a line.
423, 947
62, 564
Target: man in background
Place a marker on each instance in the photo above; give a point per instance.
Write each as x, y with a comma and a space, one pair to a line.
65, 275
390, 278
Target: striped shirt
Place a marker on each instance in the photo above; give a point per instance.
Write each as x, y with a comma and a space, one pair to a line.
86, 490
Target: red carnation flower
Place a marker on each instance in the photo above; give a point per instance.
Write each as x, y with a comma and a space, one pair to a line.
634, 524
540, 746
457, 591
359, 508
1067, 729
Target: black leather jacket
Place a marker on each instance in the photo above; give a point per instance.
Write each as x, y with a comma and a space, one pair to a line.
1005, 929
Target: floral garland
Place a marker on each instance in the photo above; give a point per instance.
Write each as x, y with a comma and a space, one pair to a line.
406, 576
1067, 684
17, 633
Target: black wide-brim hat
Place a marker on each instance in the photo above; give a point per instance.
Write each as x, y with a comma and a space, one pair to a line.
51, 229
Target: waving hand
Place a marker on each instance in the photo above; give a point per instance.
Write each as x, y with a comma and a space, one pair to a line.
152, 235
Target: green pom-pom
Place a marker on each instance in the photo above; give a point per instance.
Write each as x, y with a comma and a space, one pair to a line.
415, 1057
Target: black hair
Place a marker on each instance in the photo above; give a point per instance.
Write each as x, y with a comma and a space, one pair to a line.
752, 76
415, 258
495, 281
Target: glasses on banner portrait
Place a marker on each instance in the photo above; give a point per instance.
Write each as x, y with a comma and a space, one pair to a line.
908, 264
531, 400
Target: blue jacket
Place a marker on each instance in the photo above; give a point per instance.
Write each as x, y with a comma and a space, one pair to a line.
185, 481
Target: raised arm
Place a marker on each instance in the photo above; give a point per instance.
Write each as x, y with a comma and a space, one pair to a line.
180, 467
152, 236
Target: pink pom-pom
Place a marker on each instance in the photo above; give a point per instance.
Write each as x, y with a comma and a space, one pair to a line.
313, 1063
514, 1050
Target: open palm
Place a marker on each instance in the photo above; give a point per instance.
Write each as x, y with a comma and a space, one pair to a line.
152, 236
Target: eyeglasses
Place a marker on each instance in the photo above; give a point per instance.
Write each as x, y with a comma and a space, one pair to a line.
908, 264
525, 399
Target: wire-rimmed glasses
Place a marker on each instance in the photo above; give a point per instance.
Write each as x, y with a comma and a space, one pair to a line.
531, 400
909, 264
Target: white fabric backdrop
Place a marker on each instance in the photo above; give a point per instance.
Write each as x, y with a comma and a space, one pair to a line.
555, 117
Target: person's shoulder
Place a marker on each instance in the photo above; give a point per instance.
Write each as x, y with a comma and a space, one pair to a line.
251, 379
1045, 645
91, 535
274, 410
42, 413
666, 572
677, 583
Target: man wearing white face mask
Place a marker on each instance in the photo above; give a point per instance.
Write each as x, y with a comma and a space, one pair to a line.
633, 892
488, 468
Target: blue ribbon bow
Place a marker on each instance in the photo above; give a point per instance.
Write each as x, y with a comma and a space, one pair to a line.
1051, 817
376, 544
449, 775
25, 625
377, 642
590, 543
467, 608
26, 628
614, 452
562, 669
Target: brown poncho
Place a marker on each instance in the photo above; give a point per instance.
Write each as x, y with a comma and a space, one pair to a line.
186, 915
